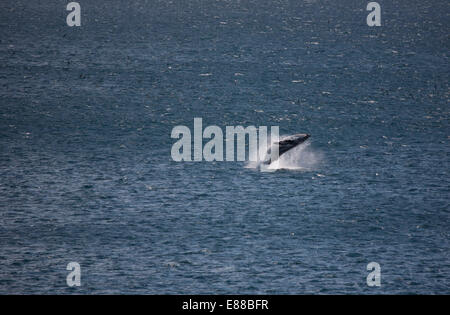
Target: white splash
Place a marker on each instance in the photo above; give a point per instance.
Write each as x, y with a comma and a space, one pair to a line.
300, 158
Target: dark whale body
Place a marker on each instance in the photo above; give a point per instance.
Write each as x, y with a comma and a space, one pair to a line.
285, 145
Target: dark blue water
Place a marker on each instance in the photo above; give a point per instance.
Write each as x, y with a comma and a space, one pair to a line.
86, 173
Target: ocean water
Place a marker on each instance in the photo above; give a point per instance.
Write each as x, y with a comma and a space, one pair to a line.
86, 173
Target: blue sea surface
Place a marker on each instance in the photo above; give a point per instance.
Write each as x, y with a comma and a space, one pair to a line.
86, 173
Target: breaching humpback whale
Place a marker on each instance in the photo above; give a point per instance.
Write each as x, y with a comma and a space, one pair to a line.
285, 145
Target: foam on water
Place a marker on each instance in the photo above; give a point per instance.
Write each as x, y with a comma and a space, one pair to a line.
301, 157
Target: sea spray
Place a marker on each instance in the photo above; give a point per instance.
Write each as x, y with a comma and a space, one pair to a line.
301, 157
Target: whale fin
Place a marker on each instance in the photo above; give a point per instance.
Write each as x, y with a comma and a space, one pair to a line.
285, 145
